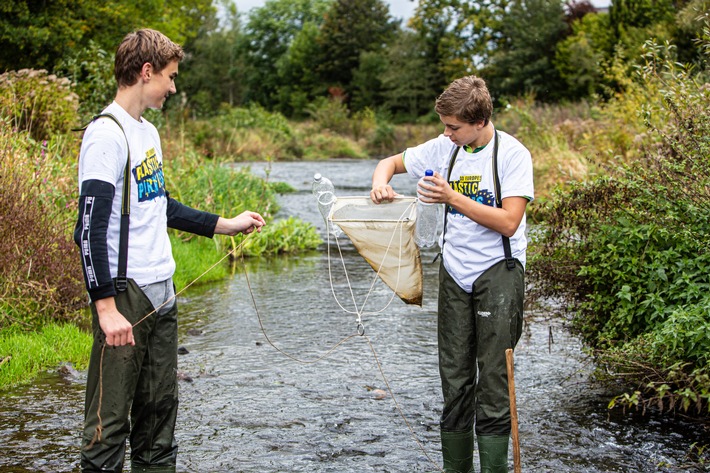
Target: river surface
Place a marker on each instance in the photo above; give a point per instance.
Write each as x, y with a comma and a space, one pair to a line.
263, 392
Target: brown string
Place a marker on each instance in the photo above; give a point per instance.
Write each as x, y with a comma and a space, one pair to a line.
99, 426
331, 350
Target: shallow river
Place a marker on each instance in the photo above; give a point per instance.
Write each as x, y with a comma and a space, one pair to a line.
259, 395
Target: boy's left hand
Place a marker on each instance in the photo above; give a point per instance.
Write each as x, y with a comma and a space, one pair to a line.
246, 222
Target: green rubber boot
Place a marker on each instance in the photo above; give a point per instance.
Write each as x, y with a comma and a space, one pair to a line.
457, 449
493, 452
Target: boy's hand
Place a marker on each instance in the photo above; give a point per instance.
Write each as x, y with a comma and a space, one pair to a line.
118, 330
246, 222
382, 193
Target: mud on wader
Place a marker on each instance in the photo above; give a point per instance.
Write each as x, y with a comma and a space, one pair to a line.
472, 360
132, 385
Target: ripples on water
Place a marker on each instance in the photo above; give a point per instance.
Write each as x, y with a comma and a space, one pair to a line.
249, 408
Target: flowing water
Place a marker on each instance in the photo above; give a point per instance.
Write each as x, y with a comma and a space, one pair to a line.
262, 392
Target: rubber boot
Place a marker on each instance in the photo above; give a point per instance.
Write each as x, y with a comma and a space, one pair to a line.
457, 449
493, 452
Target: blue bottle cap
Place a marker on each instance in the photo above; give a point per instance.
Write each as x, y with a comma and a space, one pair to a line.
428, 172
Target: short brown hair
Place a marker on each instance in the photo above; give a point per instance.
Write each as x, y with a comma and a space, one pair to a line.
467, 99
140, 47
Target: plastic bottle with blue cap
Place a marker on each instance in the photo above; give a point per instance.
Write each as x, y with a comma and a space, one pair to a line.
427, 219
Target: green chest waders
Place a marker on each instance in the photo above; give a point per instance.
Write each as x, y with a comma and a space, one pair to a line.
472, 355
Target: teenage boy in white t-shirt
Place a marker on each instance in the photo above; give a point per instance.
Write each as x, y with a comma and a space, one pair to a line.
131, 385
481, 278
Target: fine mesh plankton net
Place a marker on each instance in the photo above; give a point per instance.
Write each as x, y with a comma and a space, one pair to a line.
383, 235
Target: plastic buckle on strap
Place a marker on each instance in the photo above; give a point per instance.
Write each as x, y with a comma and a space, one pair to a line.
121, 284
510, 263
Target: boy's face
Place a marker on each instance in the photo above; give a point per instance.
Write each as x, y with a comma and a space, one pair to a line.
162, 85
462, 133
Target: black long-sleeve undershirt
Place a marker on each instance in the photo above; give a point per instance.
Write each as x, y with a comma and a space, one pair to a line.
91, 231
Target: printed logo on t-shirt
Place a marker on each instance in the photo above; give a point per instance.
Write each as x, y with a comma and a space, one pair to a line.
469, 186
149, 176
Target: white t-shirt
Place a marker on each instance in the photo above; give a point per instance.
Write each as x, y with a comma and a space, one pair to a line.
103, 157
469, 248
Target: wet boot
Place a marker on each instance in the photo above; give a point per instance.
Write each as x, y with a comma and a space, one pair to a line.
457, 449
493, 452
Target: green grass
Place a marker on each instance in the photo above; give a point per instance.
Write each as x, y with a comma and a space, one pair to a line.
24, 355
196, 256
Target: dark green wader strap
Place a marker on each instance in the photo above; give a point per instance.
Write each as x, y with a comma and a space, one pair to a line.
121, 279
509, 260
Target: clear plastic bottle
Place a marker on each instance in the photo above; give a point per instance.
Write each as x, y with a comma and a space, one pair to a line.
324, 192
427, 220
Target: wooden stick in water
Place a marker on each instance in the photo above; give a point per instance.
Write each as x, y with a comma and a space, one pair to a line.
513, 410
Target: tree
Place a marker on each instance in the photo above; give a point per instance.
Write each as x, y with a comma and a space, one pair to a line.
269, 32
40, 34
410, 82
524, 60
459, 35
351, 28
212, 73
298, 80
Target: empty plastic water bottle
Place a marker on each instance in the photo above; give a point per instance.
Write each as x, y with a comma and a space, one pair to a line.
427, 220
324, 192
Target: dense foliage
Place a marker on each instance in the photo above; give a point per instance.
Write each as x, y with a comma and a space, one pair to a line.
288, 53
627, 252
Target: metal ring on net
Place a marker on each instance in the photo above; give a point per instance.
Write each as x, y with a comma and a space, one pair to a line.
360, 329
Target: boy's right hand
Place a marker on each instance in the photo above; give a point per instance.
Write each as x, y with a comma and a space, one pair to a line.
118, 330
382, 193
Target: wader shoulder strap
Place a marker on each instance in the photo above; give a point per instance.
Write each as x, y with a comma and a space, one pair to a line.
509, 260
121, 279
452, 159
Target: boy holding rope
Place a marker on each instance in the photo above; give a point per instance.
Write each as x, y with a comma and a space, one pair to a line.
484, 178
132, 384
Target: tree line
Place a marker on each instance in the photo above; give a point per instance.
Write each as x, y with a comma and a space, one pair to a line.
292, 53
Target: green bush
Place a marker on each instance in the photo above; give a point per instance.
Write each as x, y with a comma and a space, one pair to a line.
245, 134
91, 71
629, 255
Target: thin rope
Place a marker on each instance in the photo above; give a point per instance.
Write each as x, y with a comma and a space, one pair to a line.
360, 312
331, 350
99, 426
349, 337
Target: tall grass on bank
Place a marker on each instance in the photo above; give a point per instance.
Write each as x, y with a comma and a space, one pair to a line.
40, 279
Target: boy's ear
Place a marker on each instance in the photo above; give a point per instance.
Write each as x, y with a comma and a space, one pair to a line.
146, 71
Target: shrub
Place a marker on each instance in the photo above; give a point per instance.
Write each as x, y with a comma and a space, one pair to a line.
244, 134
629, 255
37, 102
91, 71
39, 270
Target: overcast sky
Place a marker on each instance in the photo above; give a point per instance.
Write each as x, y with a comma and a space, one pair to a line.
401, 9
398, 8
